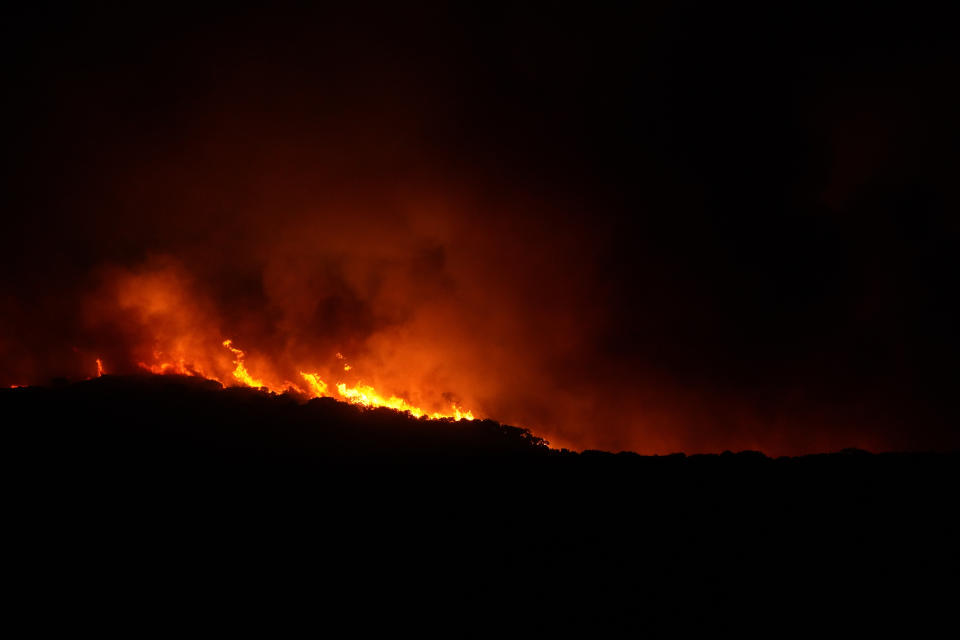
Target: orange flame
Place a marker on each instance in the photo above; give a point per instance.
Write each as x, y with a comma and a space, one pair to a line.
367, 396
240, 372
316, 387
100, 370
180, 367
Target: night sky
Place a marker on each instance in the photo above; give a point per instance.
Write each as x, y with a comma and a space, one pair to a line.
660, 227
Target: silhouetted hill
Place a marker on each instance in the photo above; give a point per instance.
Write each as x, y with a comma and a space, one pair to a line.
157, 419
160, 498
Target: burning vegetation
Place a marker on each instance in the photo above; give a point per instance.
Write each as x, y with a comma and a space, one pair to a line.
159, 323
313, 386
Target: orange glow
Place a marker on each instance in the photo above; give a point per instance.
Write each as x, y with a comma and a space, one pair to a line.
240, 372
180, 367
359, 394
317, 387
367, 396
100, 370
459, 414
177, 331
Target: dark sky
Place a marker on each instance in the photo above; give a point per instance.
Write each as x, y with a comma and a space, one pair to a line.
676, 226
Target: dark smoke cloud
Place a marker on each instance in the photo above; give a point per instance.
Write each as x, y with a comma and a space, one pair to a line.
629, 231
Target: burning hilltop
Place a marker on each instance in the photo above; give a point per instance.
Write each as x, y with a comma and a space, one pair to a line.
312, 386
157, 320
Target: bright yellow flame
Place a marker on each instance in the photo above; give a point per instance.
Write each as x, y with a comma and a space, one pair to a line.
367, 396
317, 386
361, 394
459, 414
240, 372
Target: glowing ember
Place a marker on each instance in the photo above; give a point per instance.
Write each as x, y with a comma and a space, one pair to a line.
100, 370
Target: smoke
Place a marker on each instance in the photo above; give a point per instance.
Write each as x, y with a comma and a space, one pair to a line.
475, 310
545, 227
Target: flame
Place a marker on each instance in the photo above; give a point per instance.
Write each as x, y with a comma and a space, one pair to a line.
367, 396
240, 372
317, 386
459, 414
184, 339
180, 366
360, 394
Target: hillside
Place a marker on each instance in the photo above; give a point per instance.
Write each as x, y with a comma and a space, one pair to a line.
145, 486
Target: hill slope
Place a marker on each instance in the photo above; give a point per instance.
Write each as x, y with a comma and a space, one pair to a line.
134, 491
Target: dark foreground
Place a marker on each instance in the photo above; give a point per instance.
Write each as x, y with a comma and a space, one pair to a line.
163, 503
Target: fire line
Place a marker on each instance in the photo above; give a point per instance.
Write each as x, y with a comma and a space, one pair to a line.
314, 387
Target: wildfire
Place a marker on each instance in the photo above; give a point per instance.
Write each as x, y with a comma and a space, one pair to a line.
367, 396
100, 370
240, 372
179, 366
315, 386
